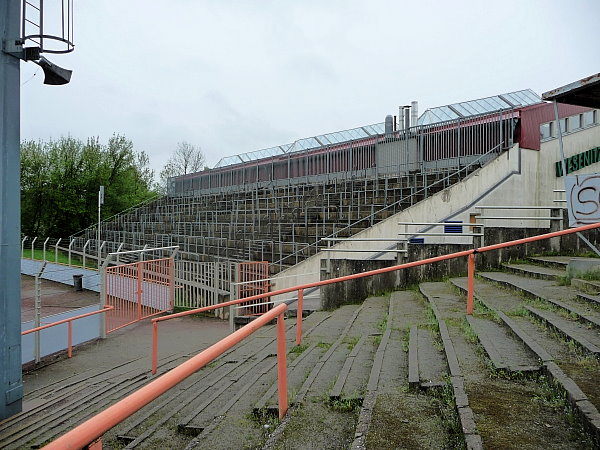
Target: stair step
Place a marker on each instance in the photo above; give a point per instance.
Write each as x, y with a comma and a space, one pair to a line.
545, 273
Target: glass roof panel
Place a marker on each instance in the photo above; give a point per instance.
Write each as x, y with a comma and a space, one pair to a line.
479, 106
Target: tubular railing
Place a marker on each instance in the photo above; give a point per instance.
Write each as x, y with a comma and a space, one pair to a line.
69, 321
93, 429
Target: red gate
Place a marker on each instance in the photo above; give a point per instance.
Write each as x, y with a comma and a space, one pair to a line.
137, 291
253, 279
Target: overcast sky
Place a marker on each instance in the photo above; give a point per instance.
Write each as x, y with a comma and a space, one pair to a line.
236, 76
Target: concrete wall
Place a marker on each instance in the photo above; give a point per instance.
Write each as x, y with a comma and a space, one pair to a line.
517, 177
62, 273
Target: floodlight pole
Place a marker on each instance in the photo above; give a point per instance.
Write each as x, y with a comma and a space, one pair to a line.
11, 384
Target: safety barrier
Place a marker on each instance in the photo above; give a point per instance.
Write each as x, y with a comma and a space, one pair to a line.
69, 321
138, 291
93, 429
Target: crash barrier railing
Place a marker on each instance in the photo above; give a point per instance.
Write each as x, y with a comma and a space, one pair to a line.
451, 230
93, 429
518, 208
69, 321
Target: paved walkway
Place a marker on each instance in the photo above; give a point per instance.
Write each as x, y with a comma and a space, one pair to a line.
56, 298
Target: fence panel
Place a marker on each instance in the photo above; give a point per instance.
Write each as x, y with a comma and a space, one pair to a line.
138, 291
253, 279
201, 284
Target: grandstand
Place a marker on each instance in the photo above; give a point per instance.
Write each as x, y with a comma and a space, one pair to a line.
403, 369
285, 204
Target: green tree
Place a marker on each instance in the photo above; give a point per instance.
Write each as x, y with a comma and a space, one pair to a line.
60, 180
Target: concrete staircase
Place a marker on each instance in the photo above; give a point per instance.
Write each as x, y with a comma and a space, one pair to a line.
404, 370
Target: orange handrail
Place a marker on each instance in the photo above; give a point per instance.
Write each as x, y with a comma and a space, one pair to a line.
70, 322
95, 427
300, 288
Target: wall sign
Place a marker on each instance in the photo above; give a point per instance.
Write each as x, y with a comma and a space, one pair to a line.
583, 198
578, 161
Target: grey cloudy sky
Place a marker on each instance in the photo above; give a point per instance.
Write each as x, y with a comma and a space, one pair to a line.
236, 76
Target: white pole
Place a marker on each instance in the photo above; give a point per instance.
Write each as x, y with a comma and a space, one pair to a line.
100, 203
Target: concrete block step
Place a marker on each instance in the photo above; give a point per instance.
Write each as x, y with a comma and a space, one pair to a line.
533, 271
587, 340
504, 351
587, 286
564, 297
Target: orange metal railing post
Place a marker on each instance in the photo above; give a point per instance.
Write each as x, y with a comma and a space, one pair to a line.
70, 350
299, 317
470, 282
154, 346
281, 366
139, 293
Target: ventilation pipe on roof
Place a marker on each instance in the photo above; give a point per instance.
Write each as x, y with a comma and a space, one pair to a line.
406, 117
414, 113
389, 125
400, 118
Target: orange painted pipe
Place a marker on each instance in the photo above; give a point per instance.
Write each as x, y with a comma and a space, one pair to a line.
299, 317
470, 283
281, 366
95, 427
60, 322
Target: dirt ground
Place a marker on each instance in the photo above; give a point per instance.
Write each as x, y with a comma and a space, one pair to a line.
56, 298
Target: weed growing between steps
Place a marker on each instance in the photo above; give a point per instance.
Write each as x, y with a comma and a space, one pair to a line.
351, 342
298, 349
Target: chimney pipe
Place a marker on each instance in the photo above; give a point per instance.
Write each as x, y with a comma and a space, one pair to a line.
414, 113
406, 117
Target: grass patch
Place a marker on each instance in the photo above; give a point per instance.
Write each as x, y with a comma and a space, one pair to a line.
549, 394
592, 275
324, 345
351, 342
563, 280
449, 415
345, 405
382, 324
469, 332
521, 311
60, 258
297, 349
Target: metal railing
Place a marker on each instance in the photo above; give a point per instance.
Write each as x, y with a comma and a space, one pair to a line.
93, 429
69, 321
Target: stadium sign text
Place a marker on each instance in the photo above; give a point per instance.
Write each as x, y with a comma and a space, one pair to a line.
578, 161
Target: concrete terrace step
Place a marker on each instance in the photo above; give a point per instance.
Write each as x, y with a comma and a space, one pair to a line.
570, 372
564, 297
205, 398
493, 397
533, 271
559, 262
341, 375
504, 350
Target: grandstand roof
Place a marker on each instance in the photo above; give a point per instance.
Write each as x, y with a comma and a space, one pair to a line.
434, 115
305, 143
481, 106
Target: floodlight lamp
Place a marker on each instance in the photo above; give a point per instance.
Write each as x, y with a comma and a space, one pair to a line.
53, 74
